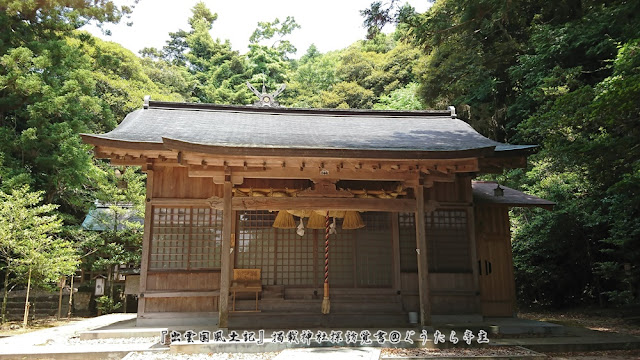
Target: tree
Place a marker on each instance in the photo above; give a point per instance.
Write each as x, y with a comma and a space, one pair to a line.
119, 231
405, 98
560, 74
267, 31
378, 15
314, 74
57, 82
28, 230
60, 15
269, 65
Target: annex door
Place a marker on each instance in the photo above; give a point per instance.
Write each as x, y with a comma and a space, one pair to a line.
495, 262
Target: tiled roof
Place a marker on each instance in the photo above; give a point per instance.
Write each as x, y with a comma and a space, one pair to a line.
304, 129
483, 194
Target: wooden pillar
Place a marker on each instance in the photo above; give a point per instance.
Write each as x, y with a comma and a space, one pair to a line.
395, 250
225, 261
473, 248
466, 182
423, 265
146, 244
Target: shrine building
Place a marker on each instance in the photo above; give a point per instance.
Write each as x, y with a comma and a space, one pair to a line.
272, 217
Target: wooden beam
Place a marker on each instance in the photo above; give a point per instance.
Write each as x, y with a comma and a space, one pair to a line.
146, 243
170, 294
423, 263
129, 162
303, 173
300, 203
179, 202
227, 218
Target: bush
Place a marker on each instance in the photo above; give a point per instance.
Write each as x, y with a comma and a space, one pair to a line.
107, 305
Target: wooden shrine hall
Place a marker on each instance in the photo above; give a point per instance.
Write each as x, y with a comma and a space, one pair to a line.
278, 217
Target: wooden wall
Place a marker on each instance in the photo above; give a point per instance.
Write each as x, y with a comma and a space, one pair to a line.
184, 281
445, 193
495, 261
451, 293
182, 304
174, 182
193, 292
182, 291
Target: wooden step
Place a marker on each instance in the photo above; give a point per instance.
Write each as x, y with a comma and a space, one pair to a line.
273, 292
293, 320
311, 306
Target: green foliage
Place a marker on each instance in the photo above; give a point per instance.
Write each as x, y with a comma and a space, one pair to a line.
107, 305
345, 95
29, 247
378, 15
563, 75
405, 98
63, 15
268, 30
55, 83
365, 71
120, 243
315, 73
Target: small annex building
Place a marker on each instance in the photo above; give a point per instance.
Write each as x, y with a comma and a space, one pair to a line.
240, 200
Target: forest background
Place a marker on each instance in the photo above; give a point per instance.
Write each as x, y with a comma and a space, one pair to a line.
563, 74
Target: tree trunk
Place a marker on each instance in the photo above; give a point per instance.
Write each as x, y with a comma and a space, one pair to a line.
70, 297
110, 280
26, 301
62, 281
5, 296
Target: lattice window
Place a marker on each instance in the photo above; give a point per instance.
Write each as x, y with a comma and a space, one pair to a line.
407, 234
374, 251
360, 257
294, 258
448, 240
357, 257
256, 243
185, 238
341, 257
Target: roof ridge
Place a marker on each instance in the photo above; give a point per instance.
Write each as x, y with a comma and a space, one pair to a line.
168, 105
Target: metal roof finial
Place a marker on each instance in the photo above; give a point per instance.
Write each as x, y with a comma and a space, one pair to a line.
265, 98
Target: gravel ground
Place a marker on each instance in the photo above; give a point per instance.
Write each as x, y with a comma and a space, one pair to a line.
487, 351
112, 341
597, 355
149, 355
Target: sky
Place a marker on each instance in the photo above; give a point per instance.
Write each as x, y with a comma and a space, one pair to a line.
329, 24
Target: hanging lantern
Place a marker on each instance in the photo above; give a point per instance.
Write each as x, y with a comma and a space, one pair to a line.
284, 220
352, 220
